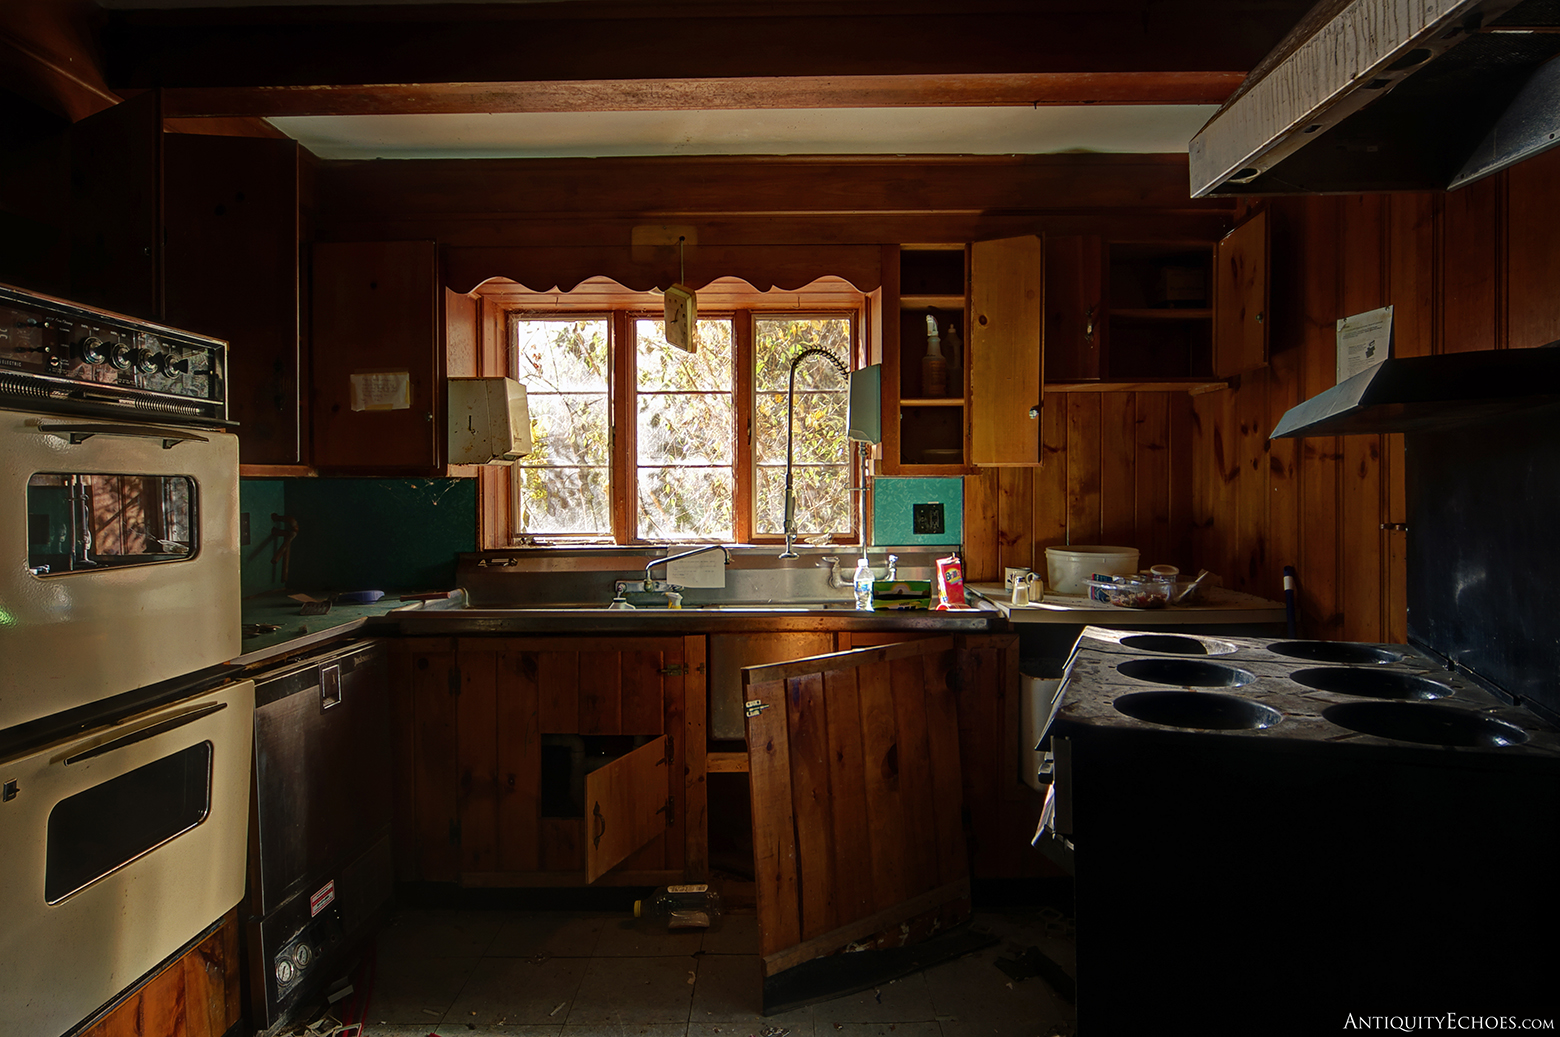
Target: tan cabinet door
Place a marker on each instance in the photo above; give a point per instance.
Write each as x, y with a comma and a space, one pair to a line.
857, 805
627, 803
1005, 351
1240, 299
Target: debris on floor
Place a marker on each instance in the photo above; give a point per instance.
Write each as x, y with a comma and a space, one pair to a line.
1032, 961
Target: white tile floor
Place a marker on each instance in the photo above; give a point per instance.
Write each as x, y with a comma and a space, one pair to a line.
580, 974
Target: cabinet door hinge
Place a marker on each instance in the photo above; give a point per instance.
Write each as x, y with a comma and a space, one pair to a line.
670, 810
671, 750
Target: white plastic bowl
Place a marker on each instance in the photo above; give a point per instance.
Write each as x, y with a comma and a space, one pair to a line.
1068, 568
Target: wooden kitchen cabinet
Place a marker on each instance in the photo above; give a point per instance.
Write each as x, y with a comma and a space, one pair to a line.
550, 761
233, 271
990, 292
1147, 315
377, 365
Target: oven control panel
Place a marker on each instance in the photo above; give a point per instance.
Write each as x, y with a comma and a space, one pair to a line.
56, 355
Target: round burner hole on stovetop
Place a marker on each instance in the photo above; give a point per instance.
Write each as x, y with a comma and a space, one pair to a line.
1344, 652
1371, 684
1176, 644
1204, 710
1425, 723
1185, 673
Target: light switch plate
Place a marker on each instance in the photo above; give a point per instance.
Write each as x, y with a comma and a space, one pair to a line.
927, 519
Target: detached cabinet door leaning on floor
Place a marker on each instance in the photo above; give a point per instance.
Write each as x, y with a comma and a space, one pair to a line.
857, 829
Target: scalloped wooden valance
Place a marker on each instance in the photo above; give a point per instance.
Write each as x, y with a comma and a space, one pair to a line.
552, 268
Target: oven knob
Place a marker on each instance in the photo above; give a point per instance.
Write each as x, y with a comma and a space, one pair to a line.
92, 350
303, 956
285, 973
145, 360
119, 355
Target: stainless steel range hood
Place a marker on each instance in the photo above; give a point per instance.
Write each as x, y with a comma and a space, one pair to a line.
1389, 95
1425, 393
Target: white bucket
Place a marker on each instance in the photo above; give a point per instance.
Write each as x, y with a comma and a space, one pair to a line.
1068, 568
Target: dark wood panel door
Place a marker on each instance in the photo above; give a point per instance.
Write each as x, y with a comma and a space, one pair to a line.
1074, 307
1240, 299
376, 366
116, 208
854, 766
232, 271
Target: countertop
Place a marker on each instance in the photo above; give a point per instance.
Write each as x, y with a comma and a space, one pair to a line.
295, 631
1215, 605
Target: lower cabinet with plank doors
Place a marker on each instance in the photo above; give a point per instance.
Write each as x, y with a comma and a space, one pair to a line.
542, 761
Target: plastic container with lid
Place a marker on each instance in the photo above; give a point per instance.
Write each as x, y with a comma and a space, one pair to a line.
1069, 568
1133, 592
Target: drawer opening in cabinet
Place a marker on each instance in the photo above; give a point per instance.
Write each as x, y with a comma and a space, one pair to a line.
567, 759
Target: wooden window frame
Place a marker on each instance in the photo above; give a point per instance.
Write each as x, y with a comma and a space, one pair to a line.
620, 307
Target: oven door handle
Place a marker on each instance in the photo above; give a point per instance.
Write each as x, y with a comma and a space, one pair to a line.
81, 433
178, 720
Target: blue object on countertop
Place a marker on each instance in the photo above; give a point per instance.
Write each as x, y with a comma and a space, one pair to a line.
359, 597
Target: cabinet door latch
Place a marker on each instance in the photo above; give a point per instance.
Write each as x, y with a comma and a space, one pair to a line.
753, 707
674, 670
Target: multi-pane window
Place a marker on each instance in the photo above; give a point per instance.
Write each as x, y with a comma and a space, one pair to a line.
636, 440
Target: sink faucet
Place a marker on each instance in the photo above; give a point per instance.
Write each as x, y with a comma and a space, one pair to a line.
650, 584
790, 402
839, 579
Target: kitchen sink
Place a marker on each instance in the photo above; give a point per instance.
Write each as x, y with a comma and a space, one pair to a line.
1374, 684
1425, 723
1344, 652
1205, 710
1185, 673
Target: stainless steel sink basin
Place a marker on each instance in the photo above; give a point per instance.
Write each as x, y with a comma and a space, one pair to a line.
1425, 723
1186, 673
1374, 684
1345, 652
1204, 710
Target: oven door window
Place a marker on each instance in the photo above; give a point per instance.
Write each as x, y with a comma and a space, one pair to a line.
89, 522
103, 828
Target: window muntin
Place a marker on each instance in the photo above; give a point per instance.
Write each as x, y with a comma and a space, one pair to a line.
685, 448
820, 470
563, 486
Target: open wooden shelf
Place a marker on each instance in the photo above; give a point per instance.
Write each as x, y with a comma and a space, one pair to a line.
936, 401
936, 302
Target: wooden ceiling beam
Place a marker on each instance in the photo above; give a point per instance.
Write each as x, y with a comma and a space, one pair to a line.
899, 91
879, 46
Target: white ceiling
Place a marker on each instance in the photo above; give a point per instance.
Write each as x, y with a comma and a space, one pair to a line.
1135, 129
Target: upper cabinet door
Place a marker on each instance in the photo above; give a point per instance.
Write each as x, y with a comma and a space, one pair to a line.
1005, 351
232, 264
1240, 299
376, 366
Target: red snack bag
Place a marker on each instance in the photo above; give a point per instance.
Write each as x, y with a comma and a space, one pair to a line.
950, 583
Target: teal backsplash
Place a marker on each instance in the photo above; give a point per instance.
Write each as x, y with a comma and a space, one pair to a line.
892, 510
361, 534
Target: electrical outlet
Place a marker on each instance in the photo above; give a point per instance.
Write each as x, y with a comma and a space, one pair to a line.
927, 518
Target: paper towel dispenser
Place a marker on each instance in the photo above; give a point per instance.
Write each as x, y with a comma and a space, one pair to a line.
489, 421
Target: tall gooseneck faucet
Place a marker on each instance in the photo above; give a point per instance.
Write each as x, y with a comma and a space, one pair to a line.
790, 402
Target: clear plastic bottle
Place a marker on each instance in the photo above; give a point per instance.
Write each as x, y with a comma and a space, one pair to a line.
681, 907
862, 581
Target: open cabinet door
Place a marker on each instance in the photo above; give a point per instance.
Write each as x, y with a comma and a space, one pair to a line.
630, 804
1005, 351
858, 837
1240, 299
